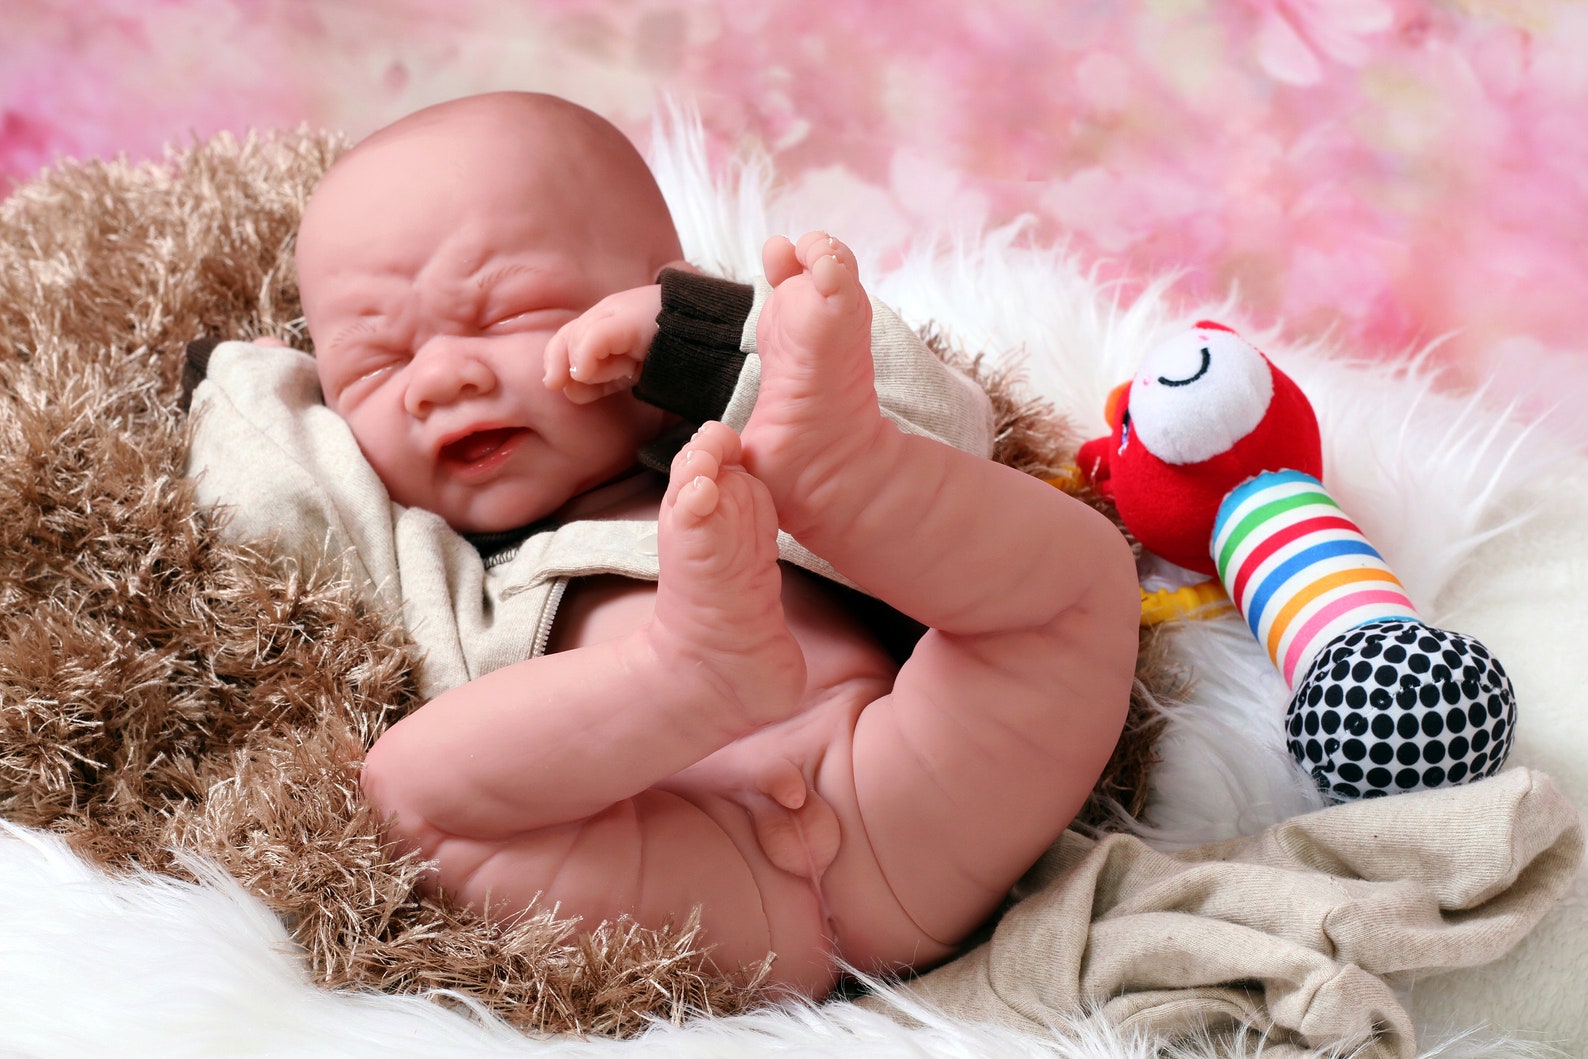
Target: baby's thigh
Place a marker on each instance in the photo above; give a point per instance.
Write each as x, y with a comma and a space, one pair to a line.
655, 857
976, 762
870, 927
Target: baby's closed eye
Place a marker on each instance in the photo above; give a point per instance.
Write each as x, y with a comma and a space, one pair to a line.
356, 368
514, 319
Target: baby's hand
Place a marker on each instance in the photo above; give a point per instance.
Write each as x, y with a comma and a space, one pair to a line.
601, 351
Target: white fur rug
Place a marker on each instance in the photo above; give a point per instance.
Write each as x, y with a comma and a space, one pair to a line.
1483, 519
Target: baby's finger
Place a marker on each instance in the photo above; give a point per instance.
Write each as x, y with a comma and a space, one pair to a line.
588, 393
592, 361
555, 359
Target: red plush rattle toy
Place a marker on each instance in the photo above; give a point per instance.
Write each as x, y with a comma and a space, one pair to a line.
1214, 462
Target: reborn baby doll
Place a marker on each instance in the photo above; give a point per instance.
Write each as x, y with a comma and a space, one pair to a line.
703, 724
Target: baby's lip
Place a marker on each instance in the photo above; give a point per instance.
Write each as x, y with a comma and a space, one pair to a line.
479, 448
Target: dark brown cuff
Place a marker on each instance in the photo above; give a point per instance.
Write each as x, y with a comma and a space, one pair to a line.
694, 362
195, 367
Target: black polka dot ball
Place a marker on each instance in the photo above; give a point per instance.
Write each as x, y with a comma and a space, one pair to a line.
1394, 706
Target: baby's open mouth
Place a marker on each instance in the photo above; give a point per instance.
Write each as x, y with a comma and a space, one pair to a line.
480, 445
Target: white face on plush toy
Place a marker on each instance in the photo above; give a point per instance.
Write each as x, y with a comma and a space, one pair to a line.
1197, 394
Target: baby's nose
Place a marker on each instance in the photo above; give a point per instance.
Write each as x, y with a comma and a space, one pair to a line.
447, 368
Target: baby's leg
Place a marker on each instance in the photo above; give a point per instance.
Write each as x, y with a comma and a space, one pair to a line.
1002, 718
559, 741
654, 858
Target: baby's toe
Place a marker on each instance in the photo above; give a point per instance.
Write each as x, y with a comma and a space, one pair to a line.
716, 439
813, 246
833, 278
699, 496
699, 464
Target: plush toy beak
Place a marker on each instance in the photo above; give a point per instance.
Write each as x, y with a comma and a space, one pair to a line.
1112, 407
1094, 456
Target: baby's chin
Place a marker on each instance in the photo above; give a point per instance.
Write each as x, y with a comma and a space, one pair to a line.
497, 521
511, 506
498, 512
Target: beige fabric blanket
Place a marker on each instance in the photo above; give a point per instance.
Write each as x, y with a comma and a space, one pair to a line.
1301, 932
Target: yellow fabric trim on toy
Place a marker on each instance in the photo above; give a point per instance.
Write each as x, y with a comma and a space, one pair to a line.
1206, 599
1068, 480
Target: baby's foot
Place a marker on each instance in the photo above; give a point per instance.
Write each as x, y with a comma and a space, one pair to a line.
817, 406
719, 602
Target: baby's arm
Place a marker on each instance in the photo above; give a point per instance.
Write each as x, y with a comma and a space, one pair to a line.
695, 355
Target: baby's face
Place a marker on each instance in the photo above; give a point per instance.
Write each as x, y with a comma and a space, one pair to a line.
434, 268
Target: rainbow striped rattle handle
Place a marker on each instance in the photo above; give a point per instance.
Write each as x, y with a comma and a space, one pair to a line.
1381, 701
1298, 569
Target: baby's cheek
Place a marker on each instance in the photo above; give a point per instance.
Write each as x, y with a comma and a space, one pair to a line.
389, 453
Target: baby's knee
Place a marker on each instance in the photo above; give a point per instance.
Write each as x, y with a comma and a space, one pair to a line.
1120, 581
1085, 585
388, 795
1099, 556
376, 780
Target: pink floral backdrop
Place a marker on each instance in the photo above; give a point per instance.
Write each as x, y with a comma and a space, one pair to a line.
1391, 172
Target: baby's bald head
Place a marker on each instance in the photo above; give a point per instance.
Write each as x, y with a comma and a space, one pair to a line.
554, 157
533, 119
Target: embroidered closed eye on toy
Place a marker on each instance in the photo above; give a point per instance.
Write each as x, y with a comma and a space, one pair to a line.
1215, 464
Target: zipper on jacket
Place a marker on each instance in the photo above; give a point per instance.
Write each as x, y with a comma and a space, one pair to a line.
548, 615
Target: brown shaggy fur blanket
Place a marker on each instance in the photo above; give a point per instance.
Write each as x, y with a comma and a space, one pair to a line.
164, 689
